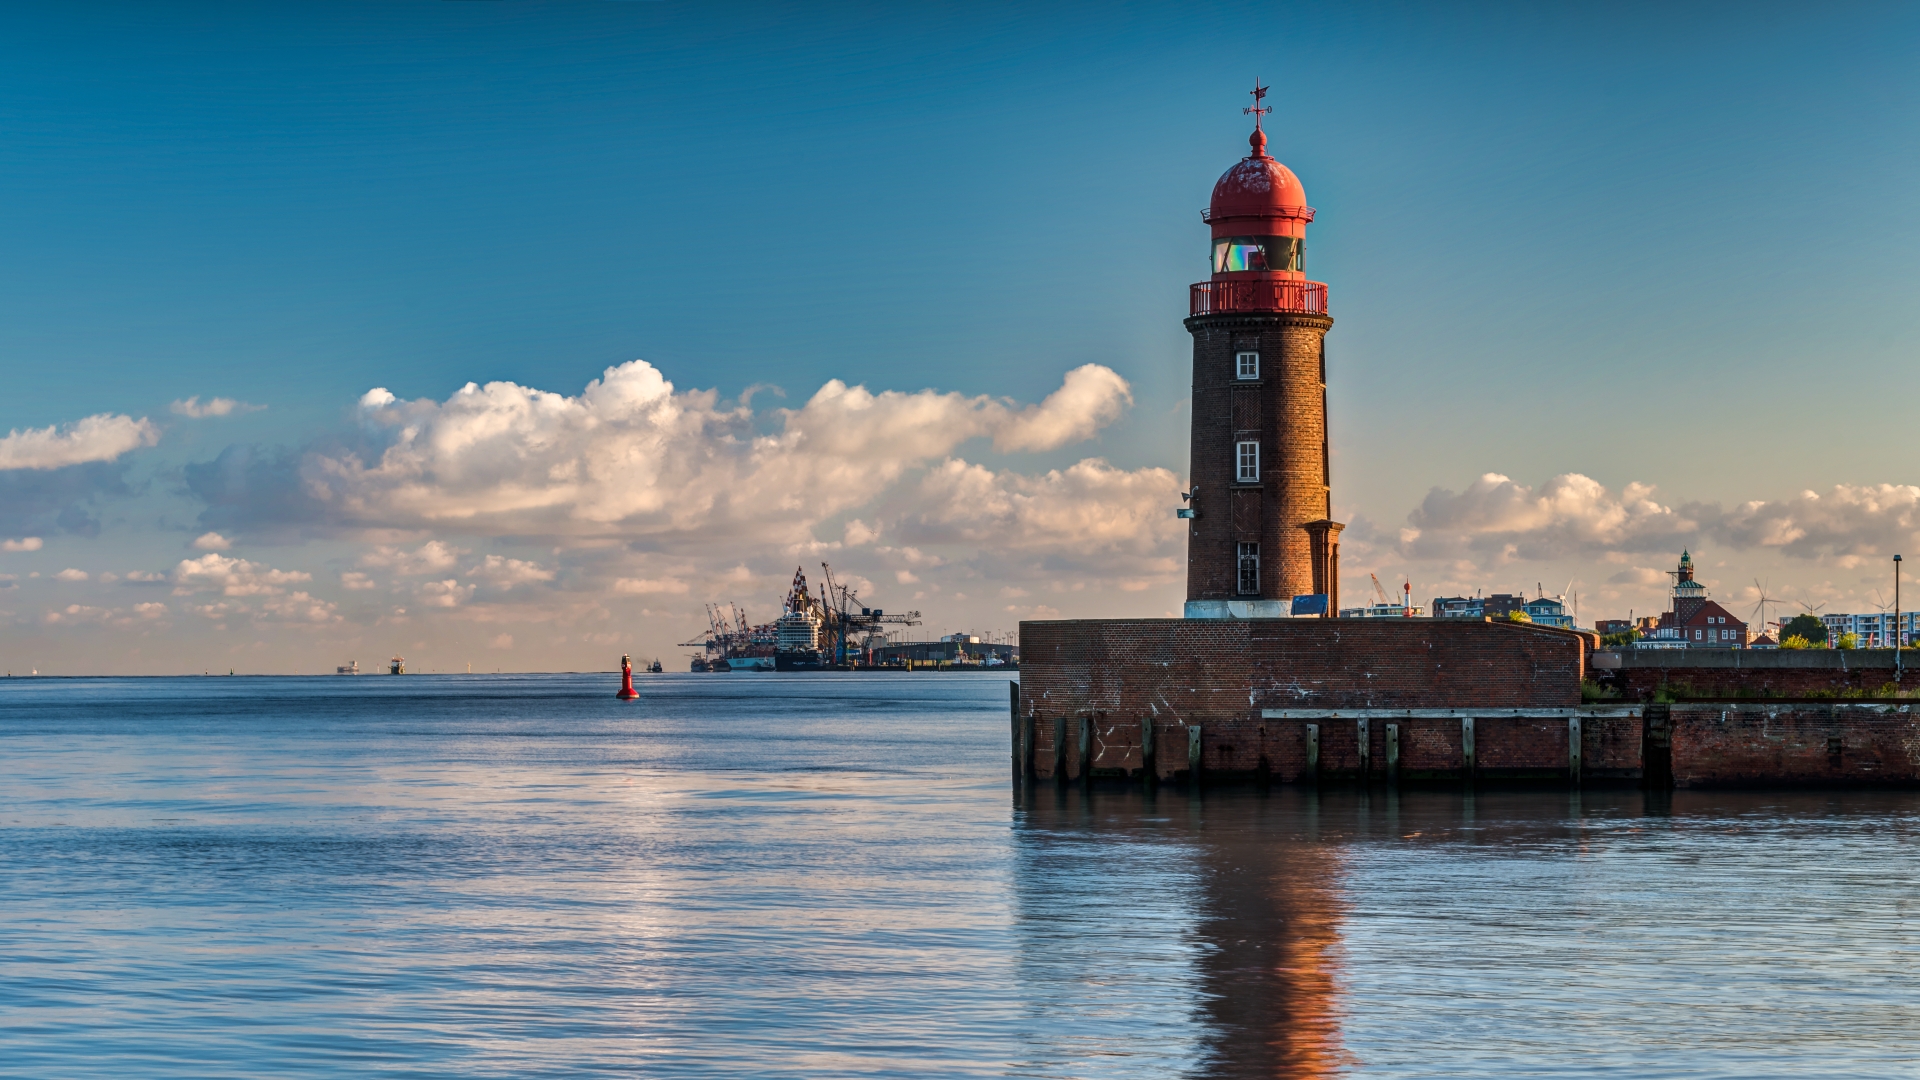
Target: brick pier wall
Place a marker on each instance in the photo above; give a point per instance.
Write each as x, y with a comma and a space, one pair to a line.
1640, 674
1182, 670
1296, 701
1731, 744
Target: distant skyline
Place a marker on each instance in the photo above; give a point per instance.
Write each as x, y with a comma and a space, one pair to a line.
901, 289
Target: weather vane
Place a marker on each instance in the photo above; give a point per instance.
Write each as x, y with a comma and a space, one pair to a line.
1259, 94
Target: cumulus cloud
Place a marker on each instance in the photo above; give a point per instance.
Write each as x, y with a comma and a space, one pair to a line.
632, 456
212, 541
505, 573
1575, 516
25, 543
1088, 507
355, 581
1089, 399
1570, 515
193, 409
70, 574
84, 614
432, 557
102, 437
298, 607
448, 593
232, 577
642, 586
502, 641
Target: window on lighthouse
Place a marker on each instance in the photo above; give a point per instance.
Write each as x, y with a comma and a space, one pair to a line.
1247, 454
1249, 560
1248, 364
1236, 253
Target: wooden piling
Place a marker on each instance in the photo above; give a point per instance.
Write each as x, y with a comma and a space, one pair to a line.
1086, 750
1364, 736
1147, 770
1060, 750
1313, 753
1573, 750
1193, 754
1393, 755
1013, 714
1466, 748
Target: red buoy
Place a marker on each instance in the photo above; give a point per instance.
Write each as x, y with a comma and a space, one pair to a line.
627, 692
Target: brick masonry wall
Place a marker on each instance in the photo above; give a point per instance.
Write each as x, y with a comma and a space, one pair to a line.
1286, 410
1105, 677
1750, 673
1731, 744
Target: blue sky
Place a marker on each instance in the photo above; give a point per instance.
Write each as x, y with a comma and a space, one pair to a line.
1633, 243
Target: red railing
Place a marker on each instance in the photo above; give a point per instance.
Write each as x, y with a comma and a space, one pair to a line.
1258, 294
1304, 213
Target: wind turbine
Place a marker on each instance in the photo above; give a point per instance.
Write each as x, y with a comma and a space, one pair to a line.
1760, 608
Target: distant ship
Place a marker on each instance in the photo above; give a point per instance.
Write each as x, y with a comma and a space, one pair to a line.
351, 667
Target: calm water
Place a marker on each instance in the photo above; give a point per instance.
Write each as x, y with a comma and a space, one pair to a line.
818, 875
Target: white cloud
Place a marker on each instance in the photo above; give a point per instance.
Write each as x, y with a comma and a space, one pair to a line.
102, 437
1090, 398
25, 543
1086, 508
505, 573
448, 593
83, 614
355, 581
631, 456
1574, 516
432, 557
1570, 515
298, 607
644, 586
146, 577
502, 641
232, 577
194, 409
70, 574
212, 541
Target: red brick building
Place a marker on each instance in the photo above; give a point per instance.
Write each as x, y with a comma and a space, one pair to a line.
1695, 621
1261, 531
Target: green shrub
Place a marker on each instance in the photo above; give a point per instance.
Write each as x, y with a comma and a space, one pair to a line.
1519, 616
1848, 641
1796, 642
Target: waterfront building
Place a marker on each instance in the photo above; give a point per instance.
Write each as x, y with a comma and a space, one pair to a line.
1874, 630
1549, 611
1694, 621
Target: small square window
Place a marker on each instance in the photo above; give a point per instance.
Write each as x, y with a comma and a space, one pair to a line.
1247, 454
1248, 364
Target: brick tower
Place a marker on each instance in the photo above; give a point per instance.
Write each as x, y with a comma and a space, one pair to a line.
1261, 532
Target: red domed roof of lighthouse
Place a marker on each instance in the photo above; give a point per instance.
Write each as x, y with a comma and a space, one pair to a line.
1259, 186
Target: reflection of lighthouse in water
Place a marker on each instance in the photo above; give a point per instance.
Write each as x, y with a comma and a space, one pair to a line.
1160, 930
1272, 997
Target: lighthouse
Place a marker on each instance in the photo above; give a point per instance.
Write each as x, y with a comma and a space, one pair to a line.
1261, 541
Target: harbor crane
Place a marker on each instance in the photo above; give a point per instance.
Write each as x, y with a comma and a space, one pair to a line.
846, 616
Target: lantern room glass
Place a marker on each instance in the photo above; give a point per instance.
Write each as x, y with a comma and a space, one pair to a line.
1235, 253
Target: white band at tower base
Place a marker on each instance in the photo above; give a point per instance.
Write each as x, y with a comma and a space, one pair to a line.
1239, 609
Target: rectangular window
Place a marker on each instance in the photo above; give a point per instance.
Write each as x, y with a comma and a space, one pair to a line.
1248, 455
1248, 364
1249, 569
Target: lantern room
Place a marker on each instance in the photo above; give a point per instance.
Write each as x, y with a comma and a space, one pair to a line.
1259, 217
